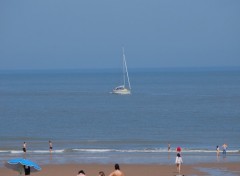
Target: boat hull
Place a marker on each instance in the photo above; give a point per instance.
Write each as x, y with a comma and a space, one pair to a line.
122, 92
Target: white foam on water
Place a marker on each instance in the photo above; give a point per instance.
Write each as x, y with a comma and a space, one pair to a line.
16, 151
93, 150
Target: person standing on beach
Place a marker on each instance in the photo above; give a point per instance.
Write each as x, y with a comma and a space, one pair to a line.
24, 147
50, 146
117, 171
169, 146
218, 150
224, 147
178, 162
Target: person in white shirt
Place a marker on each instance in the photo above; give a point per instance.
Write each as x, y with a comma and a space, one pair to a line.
179, 161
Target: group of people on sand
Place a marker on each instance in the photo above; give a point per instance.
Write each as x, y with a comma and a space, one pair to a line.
116, 172
179, 160
25, 146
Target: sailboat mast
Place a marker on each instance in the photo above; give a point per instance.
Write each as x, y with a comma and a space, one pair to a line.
124, 79
126, 70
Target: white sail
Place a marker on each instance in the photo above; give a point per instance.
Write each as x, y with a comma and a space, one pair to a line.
123, 89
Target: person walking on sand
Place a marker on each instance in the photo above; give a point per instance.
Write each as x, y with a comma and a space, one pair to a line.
24, 147
178, 162
50, 146
117, 171
81, 173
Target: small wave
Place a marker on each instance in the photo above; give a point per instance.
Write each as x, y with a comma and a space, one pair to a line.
206, 151
116, 150
47, 151
148, 150
141, 151
93, 150
16, 151
39, 151
58, 151
32, 151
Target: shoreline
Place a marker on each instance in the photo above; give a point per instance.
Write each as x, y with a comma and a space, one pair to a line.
123, 157
228, 168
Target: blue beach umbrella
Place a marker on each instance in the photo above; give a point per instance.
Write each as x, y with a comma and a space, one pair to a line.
19, 164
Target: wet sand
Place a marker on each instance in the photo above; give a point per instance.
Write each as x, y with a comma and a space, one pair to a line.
135, 169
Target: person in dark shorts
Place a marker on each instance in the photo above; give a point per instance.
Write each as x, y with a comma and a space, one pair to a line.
169, 146
50, 146
24, 147
26, 170
218, 150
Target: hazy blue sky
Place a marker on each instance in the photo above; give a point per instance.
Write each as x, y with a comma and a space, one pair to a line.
45, 34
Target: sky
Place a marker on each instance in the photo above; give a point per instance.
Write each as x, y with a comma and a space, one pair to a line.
82, 34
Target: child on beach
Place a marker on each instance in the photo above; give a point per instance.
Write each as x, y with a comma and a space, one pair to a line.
178, 149
179, 161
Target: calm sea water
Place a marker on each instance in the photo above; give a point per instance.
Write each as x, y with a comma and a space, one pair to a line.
196, 110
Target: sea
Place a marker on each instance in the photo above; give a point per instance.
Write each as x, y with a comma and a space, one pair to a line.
196, 109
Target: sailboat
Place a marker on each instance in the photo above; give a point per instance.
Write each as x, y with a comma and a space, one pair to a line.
123, 89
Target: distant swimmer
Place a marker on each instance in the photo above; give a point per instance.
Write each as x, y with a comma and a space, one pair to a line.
169, 146
117, 171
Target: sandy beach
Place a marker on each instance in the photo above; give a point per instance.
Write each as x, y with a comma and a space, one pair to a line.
135, 169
